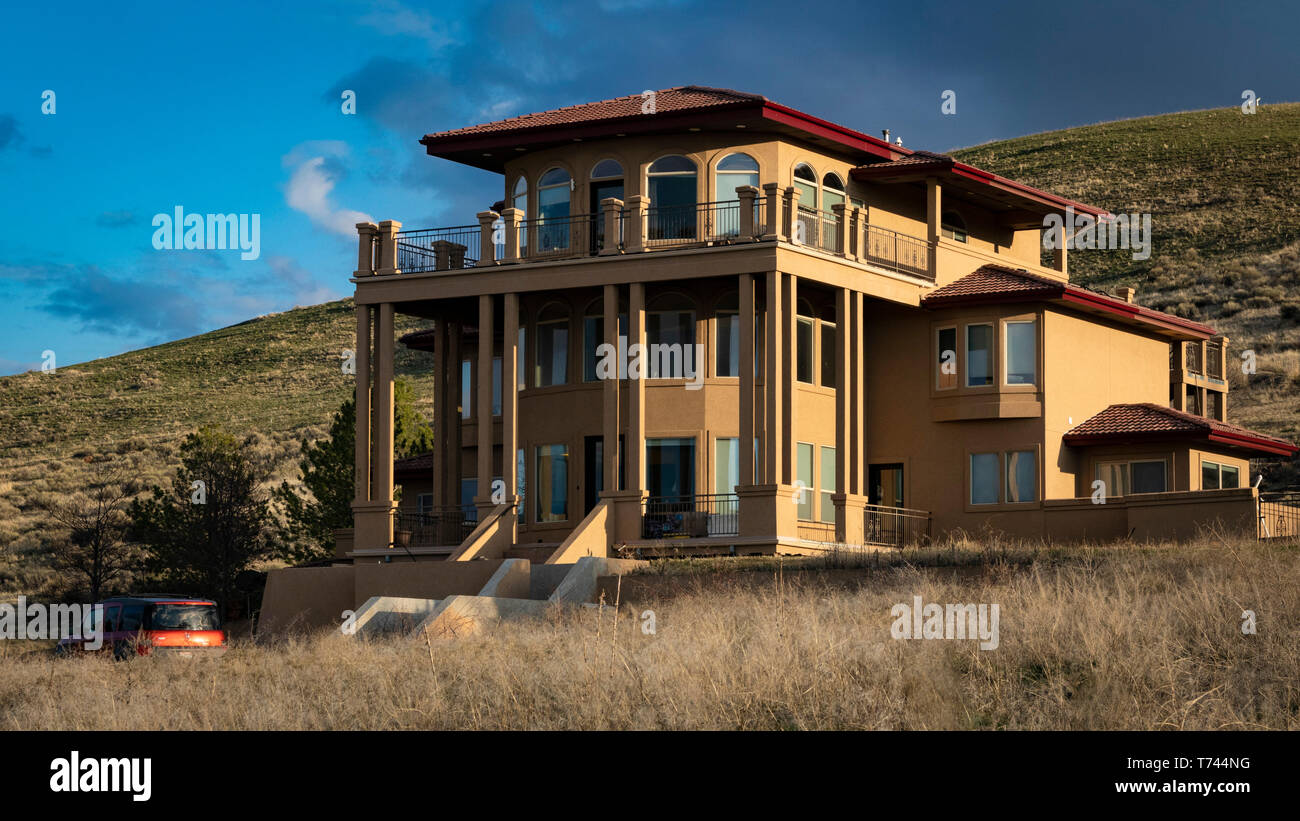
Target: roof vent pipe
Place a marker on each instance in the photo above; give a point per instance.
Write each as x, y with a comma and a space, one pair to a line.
886, 133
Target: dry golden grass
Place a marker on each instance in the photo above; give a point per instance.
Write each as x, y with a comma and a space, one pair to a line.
1109, 638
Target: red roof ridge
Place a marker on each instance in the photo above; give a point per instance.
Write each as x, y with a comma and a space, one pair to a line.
500, 125
1135, 419
988, 283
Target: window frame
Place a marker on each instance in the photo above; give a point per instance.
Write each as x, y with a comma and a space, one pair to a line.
937, 358
1004, 346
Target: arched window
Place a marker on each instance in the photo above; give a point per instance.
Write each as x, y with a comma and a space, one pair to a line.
805, 180
551, 367
952, 226
520, 199
553, 191
832, 192
606, 169
735, 170
606, 183
670, 337
671, 186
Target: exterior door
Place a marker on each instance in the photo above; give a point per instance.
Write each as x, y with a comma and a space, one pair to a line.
885, 485
602, 189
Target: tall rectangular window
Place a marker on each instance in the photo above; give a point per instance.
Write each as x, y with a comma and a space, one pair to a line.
804, 468
670, 466
979, 355
496, 386
947, 363
828, 484
468, 488
1227, 476
727, 345
1022, 476
1149, 476
552, 353
1115, 477
1022, 353
466, 388
726, 465
804, 351
670, 341
551, 488
984, 478
593, 333
828, 355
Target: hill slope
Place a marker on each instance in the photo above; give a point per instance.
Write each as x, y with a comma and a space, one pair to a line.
1223, 191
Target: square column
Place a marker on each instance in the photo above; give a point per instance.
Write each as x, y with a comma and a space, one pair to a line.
636, 389
849, 511
746, 403
510, 397
455, 391
789, 430
483, 411
773, 413
441, 417
362, 443
858, 399
609, 392
373, 516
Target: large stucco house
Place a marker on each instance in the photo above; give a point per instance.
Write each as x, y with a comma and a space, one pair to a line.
846, 342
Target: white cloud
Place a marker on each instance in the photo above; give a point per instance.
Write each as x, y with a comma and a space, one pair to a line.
311, 184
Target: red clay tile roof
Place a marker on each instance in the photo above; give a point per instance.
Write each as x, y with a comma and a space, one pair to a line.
992, 284
1148, 420
680, 98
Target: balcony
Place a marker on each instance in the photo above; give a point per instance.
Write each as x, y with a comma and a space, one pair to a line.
690, 517
638, 226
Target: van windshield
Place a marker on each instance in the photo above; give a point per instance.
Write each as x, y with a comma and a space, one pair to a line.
184, 617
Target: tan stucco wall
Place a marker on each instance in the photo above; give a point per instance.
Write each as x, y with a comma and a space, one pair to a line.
1090, 365
306, 597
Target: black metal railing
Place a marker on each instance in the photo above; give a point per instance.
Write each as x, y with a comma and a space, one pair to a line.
1214, 358
816, 229
1279, 514
439, 527
897, 252
438, 249
574, 235
687, 517
896, 526
1193, 352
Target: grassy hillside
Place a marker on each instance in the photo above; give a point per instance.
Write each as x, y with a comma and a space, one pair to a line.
277, 378
1223, 189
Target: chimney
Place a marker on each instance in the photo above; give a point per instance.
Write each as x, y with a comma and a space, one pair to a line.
899, 142
1127, 294
886, 133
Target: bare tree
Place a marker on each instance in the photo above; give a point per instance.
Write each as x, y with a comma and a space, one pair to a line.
95, 549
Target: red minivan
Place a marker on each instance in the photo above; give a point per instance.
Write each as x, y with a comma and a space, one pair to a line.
141, 625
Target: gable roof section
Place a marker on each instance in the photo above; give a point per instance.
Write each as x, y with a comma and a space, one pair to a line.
1146, 422
1022, 205
999, 284
677, 109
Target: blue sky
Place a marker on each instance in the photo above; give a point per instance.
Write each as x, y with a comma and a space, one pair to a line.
235, 108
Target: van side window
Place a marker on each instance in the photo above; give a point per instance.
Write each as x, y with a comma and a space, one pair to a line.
132, 617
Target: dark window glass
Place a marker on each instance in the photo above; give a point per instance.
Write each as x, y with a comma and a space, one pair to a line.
828, 355
804, 351
184, 617
1148, 477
